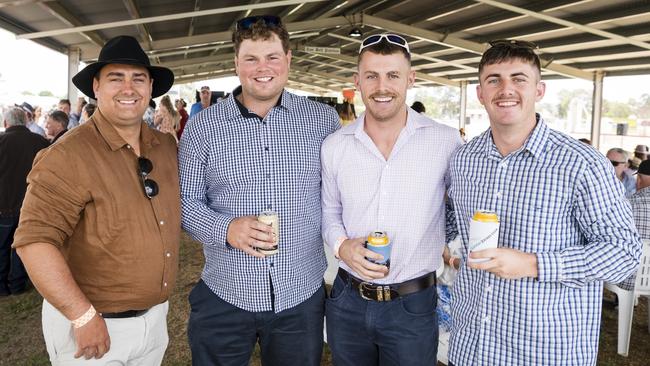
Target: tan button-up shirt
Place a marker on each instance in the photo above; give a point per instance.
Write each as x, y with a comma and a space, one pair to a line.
86, 197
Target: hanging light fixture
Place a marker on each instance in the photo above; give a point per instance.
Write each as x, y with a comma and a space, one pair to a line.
355, 32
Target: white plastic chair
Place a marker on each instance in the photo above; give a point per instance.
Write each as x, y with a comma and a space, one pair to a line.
627, 299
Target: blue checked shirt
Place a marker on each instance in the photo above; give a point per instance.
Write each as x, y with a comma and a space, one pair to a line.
640, 202
557, 198
232, 164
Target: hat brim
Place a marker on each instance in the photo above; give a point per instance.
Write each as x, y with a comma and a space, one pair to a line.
163, 78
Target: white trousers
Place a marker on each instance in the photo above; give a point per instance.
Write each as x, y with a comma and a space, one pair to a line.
134, 341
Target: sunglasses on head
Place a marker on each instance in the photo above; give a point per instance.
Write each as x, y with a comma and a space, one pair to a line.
617, 163
145, 166
390, 38
248, 22
513, 43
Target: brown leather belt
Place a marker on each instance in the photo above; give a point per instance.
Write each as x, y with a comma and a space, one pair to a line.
376, 292
124, 314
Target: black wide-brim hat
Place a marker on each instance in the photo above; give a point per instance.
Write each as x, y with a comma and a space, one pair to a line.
124, 50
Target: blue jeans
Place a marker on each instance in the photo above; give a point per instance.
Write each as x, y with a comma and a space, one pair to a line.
222, 334
368, 333
13, 277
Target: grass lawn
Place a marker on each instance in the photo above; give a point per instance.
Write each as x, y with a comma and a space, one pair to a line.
21, 340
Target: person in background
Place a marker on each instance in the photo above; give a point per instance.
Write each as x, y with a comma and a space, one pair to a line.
56, 124
257, 150
641, 152
76, 115
180, 107
87, 112
418, 107
18, 147
149, 114
619, 159
64, 106
203, 103
30, 122
167, 118
585, 141
564, 228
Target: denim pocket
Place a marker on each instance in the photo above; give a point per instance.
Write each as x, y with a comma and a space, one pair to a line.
420, 303
339, 288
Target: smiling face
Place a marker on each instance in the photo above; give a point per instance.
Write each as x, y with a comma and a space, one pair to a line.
123, 93
383, 81
263, 68
508, 90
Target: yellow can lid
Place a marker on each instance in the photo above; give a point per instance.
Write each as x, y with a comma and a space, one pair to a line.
486, 216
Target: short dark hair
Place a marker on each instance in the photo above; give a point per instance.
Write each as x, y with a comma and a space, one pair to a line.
508, 50
90, 109
64, 101
261, 31
383, 47
60, 117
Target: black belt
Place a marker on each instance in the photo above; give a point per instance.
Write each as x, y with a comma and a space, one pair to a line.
124, 314
375, 292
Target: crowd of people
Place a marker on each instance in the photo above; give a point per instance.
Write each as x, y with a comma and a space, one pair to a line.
98, 229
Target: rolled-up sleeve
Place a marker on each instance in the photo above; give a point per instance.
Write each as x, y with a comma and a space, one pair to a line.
198, 219
332, 225
53, 202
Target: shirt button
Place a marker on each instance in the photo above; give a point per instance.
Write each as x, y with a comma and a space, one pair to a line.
486, 319
488, 288
162, 222
498, 194
504, 164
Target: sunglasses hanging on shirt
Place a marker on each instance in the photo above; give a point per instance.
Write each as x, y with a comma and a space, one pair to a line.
145, 166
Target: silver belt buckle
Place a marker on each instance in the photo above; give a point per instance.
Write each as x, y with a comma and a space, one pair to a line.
362, 287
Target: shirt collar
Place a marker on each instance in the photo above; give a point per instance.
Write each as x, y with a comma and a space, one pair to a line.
535, 144
113, 139
284, 101
414, 120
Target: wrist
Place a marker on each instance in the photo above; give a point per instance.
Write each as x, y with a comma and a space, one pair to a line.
337, 245
85, 318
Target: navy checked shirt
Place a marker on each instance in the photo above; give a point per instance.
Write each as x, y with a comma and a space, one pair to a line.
640, 202
232, 164
558, 198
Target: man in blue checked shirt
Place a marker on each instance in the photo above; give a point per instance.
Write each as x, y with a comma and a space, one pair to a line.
565, 228
387, 171
257, 150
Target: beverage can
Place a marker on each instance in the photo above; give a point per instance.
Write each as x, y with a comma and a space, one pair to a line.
271, 218
379, 242
483, 232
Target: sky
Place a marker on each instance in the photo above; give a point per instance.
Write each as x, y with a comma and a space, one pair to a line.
28, 66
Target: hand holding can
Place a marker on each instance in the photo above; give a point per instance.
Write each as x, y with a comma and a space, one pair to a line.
483, 233
379, 243
270, 218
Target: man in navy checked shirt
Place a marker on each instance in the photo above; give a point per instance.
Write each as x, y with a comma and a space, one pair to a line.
259, 149
565, 228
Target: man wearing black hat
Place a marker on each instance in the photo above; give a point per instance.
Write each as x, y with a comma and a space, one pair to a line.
100, 224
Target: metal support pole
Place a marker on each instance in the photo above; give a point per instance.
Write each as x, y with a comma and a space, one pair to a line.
74, 55
463, 104
597, 108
